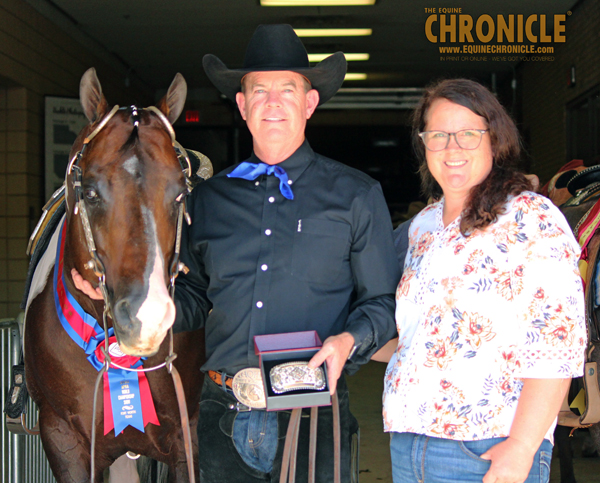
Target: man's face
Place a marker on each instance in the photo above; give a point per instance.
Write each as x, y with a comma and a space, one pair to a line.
275, 106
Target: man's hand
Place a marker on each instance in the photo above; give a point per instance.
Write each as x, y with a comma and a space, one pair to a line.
511, 462
335, 352
85, 286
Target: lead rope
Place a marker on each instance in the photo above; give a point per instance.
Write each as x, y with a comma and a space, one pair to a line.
176, 266
290, 449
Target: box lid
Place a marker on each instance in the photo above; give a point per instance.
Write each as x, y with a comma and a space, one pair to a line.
308, 339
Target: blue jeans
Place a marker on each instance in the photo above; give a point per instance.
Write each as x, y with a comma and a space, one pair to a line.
255, 438
423, 459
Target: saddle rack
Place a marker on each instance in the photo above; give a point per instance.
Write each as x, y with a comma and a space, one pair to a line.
591, 415
583, 186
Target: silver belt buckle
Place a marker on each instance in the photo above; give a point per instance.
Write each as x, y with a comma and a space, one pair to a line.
248, 389
294, 376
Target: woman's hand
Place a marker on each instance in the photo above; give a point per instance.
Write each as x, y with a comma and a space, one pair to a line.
511, 462
538, 406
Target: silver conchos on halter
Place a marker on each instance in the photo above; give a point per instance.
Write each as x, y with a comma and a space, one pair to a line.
248, 388
293, 376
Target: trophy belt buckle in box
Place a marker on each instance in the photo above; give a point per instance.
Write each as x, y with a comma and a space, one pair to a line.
294, 376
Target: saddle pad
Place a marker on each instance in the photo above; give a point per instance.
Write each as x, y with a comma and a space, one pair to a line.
40, 239
36, 281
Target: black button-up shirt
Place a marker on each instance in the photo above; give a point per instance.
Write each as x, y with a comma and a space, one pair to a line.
262, 264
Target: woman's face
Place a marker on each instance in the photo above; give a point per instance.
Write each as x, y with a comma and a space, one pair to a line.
457, 170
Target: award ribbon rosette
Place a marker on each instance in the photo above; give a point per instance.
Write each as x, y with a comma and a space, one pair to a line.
127, 397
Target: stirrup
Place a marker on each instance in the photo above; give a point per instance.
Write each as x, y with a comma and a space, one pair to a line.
16, 403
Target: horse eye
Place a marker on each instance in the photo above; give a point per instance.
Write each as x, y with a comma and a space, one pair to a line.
91, 194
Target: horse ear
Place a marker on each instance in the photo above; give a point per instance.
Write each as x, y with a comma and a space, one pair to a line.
90, 94
172, 104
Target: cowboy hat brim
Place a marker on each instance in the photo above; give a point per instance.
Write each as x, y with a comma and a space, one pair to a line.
326, 77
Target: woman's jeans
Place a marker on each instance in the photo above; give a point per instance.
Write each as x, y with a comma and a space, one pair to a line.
423, 459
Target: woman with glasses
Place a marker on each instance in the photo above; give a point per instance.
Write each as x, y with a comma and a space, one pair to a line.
490, 308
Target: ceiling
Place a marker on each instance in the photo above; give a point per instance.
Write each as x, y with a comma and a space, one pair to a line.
154, 39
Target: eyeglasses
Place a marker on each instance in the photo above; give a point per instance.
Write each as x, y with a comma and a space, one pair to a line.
439, 140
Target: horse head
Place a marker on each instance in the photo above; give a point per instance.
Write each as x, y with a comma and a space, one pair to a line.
125, 178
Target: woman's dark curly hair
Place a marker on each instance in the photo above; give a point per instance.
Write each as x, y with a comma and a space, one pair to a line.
486, 200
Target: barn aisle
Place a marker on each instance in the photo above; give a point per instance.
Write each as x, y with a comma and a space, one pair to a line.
366, 388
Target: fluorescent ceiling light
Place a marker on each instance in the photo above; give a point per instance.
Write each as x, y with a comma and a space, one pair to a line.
349, 57
396, 98
333, 32
315, 3
350, 76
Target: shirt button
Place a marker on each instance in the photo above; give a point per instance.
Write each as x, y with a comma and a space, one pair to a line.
256, 183
259, 304
271, 199
267, 232
264, 267
289, 181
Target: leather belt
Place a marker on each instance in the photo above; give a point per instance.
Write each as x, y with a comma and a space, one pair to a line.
217, 378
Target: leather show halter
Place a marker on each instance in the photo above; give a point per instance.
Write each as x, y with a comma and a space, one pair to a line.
97, 266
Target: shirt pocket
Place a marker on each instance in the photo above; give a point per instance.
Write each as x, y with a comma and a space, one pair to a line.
321, 247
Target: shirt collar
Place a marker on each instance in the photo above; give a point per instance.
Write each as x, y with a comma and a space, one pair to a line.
294, 165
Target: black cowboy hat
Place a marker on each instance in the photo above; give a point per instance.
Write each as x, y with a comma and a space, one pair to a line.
278, 48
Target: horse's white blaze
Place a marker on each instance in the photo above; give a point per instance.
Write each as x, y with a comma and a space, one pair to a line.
157, 313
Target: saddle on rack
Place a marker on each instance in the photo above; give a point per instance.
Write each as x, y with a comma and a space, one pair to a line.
582, 210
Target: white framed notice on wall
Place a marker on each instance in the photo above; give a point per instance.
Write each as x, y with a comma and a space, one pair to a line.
64, 119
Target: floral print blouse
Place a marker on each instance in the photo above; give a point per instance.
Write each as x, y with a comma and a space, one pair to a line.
475, 315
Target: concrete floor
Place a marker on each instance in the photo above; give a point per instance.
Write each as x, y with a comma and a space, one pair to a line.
366, 388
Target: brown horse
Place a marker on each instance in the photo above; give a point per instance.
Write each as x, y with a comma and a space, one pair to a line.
576, 191
125, 178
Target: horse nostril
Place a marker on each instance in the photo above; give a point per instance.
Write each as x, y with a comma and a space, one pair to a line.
122, 312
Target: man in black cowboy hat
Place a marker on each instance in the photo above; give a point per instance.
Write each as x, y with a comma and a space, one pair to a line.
309, 248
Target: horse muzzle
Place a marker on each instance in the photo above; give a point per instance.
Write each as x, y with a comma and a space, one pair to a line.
141, 333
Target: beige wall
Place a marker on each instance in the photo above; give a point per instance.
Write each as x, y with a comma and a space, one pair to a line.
545, 92
36, 59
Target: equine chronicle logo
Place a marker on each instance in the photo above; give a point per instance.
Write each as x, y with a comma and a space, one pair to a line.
503, 37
